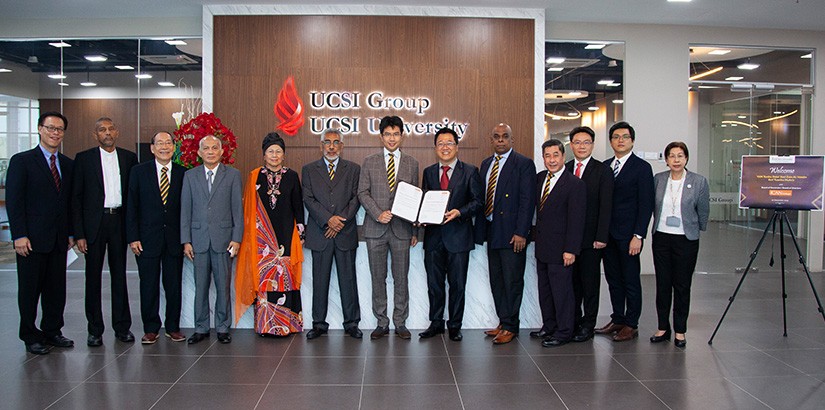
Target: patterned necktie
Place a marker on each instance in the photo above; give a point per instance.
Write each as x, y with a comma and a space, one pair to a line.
445, 179
546, 190
164, 184
55, 174
331, 171
579, 170
616, 168
209, 180
491, 187
391, 172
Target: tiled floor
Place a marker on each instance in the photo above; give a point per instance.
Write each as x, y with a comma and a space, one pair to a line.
749, 366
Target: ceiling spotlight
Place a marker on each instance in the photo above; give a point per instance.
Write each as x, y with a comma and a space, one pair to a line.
593, 108
143, 76
88, 84
741, 117
612, 63
595, 46
614, 84
733, 78
555, 60
96, 58
124, 67
166, 84
778, 112
33, 60
176, 42
63, 84
618, 101
555, 69
60, 44
57, 76
719, 52
605, 82
809, 55
747, 66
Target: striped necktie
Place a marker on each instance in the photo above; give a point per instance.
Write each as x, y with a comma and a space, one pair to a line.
391, 172
55, 173
491, 187
546, 191
616, 165
164, 184
331, 171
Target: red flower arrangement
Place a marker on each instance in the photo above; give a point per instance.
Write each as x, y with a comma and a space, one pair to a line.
189, 135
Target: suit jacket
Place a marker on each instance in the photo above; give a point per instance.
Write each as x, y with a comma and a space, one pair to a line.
695, 204
375, 196
324, 198
149, 221
466, 195
88, 193
211, 219
560, 223
599, 181
632, 198
513, 204
36, 208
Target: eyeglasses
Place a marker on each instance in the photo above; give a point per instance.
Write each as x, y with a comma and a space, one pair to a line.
447, 144
622, 137
163, 143
391, 134
583, 143
50, 128
677, 156
328, 143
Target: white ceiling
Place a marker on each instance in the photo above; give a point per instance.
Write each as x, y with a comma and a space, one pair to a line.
781, 14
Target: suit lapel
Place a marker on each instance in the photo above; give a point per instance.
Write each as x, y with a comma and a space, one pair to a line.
155, 184
458, 174
97, 167
43, 164
504, 173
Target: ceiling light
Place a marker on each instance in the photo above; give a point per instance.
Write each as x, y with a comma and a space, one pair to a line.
809, 55
723, 126
60, 44
555, 60
124, 67
741, 117
605, 82
719, 52
570, 116
778, 116
618, 101
707, 86
63, 84
735, 123
593, 108
747, 66
777, 112
166, 84
614, 84
555, 69
88, 84
143, 76
733, 78
176, 42
96, 58
4, 70
705, 74
57, 76
595, 46
33, 60
574, 93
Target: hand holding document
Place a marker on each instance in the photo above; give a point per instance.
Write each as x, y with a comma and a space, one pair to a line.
413, 205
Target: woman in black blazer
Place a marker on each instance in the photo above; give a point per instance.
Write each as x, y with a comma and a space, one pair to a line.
682, 210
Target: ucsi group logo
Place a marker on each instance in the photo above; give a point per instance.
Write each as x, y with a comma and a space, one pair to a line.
289, 108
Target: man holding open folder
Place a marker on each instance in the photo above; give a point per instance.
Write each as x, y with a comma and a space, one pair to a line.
447, 245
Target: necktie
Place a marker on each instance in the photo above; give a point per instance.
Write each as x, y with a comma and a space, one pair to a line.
331, 171
391, 172
491, 187
55, 174
164, 184
578, 170
616, 168
445, 179
546, 190
209, 180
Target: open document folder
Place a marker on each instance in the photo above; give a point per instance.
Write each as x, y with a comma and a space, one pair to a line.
413, 205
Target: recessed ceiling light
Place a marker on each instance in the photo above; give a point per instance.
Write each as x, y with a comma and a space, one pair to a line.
88, 84
605, 82
555, 60
143, 76
124, 67
63, 84
778, 112
747, 66
719, 52
734, 78
166, 84
555, 118
741, 117
60, 44
809, 55
57, 76
614, 84
4, 70
618, 101
176, 42
555, 69
96, 58
595, 46
593, 108
724, 125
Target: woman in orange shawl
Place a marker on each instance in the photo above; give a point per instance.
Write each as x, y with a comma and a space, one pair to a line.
269, 263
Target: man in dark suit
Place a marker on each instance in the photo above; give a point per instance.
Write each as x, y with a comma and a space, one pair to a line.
559, 228
504, 223
331, 197
38, 190
153, 234
447, 246
99, 192
587, 270
633, 197
380, 174
211, 229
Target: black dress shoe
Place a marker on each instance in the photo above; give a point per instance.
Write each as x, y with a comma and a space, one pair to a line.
403, 332
553, 342
197, 337
680, 342
94, 341
315, 333
59, 341
540, 334
662, 338
224, 338
455, 335
354, 331
584, 334
127, 337
431, 331
37, 348
379, 332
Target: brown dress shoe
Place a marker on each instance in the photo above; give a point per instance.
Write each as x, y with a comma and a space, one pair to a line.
493, 332
609, 329
149, 339
503, 336
626, 334
176, 336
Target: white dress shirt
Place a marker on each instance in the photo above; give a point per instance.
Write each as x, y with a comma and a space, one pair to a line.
111, 179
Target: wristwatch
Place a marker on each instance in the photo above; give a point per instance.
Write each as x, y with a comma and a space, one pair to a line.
638, 236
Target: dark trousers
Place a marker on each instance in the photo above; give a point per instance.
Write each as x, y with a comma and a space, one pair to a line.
622, 274
347, 284
41, 277
674, 258
586, 283
442, 266
152, 270
556, 299
507, 283
110, 237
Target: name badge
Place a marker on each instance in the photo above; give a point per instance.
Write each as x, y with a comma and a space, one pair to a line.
674, 221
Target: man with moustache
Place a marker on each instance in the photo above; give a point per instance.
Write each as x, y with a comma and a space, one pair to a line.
380, 175
153, 234
504, 223
447, 246
330, 190
38, 190
587, 269
99, 195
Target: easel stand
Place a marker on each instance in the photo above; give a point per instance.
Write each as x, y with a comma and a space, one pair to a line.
780, 216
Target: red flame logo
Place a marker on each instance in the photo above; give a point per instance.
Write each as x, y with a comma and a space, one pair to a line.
289, 108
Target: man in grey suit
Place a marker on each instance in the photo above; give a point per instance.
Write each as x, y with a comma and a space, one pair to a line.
211, 227
331, 197
380, 175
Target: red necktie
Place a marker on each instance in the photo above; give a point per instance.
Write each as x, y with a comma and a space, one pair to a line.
579, 170
445, 180
55, 174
